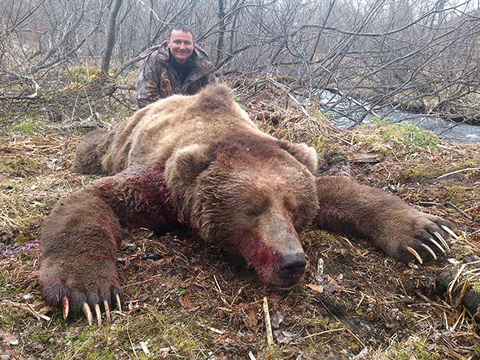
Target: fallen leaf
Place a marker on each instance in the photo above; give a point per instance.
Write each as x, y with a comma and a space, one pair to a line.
185, 301
316, 288
8, 338
276, 320
283, 337
250, 320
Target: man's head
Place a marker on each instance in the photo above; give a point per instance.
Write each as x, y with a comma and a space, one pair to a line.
180, 42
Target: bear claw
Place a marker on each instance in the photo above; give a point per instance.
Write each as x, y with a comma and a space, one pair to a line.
99, 314
442, 240
88, 313
107, 310
414, 253
450, 231
65, 307
436, 239
437, 244
119, 302
426, 247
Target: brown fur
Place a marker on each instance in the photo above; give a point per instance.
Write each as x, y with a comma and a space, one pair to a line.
199, 161
89, 152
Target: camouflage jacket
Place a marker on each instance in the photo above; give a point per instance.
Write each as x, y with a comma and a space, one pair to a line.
158, 77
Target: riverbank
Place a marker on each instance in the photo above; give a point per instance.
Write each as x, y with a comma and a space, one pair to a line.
345, 113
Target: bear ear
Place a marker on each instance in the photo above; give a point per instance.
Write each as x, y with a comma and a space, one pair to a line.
303, 153
186, 164
215, 98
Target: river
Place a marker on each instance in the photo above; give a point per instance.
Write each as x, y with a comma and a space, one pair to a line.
446, 130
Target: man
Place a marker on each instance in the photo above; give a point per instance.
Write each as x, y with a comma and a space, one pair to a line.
177, 66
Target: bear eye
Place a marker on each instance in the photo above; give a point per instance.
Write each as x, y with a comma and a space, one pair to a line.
256, 207
252, 213
290, 206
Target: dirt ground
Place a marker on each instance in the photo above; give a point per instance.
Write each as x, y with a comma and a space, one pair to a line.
188, 301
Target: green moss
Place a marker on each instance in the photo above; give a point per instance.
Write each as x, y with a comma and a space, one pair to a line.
426, 171
477, 349
159, 328
318, 324
408, 315
419, 173
476, 287
378, 144
321, 142
181, 292
104, 354
24, 127
39, 336
387, 136
410, 136
458, 194
273, 352
381, 121
4, 281
18, 167
416, 348
85, 73
21, 239
10, 315
327, 114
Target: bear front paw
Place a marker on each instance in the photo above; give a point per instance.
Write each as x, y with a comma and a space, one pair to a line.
77, 288
416, 235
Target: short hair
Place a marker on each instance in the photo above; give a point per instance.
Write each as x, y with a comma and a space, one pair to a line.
182, 27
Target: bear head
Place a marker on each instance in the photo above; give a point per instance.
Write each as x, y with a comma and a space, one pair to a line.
251, 196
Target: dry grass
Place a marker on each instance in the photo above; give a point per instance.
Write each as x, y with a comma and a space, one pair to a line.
192, 302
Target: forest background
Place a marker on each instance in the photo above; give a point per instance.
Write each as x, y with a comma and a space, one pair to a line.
67, 66
422, 54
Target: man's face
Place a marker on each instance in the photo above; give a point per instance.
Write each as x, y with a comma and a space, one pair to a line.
181, 45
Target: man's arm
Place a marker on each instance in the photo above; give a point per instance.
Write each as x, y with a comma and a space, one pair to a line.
147, 87
210, 79
199, 81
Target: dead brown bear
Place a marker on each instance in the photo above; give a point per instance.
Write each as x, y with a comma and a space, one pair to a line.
201, 162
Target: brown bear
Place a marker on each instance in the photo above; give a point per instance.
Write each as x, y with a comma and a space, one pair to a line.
200, 162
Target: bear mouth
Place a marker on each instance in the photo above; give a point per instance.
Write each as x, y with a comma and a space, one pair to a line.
288, 287
286, 284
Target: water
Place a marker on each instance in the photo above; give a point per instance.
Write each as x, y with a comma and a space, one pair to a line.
446, 130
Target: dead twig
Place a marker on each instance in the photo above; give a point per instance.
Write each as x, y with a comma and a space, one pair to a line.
27, 307
428, 301
268, 324
458, 171
323, 333
459, 210
452, 284
355, 101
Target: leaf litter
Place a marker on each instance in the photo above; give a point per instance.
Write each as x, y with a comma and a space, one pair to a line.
188, 301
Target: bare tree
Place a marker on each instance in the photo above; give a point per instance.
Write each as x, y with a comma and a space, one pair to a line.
110, 36
419, 54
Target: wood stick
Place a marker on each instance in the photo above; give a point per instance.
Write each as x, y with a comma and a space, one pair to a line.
459, 210
458, 171
268, 324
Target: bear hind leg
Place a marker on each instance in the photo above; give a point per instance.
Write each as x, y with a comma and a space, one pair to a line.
90, 151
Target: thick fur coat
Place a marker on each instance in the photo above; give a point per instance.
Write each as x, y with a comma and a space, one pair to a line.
200, 162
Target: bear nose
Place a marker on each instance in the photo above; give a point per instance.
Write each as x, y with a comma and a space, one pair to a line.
291, 265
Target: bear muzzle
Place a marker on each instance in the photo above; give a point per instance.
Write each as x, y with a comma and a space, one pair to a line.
289, 269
